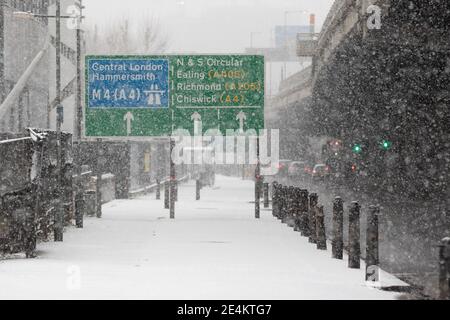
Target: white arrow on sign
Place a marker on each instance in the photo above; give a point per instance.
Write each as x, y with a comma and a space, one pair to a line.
241, 117
128, 117
197, 118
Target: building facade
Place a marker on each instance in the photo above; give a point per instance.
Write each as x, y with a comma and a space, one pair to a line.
21, 40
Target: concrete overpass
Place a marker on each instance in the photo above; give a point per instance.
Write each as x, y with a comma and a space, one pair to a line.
346, 19
369, 84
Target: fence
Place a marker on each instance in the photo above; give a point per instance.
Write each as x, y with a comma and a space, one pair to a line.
93, 173
105, 157
28, 188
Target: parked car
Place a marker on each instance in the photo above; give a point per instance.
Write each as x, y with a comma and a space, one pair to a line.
297, 169
283, 168
308, 170
320, 171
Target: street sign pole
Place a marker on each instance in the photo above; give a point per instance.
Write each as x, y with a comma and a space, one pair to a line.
98, 185
257, 181
172, 180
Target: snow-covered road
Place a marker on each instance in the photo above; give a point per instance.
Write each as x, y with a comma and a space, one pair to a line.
214, 249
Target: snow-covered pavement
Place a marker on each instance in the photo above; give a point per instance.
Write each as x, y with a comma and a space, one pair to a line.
214, 249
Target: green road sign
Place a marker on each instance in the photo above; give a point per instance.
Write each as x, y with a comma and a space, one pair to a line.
152, 96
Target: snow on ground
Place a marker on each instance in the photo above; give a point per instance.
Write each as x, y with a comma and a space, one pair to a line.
214, 249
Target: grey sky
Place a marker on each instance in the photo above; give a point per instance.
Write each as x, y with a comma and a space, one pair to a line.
211, 26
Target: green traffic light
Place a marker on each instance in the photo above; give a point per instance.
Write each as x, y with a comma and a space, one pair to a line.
386, 145
357, 148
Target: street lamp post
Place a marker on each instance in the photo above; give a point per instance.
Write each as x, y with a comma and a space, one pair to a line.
2, 55
79, 108
59, 214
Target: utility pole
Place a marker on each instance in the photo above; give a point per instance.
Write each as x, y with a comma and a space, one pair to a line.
257, 180
79, 106
172, 180
285, 44
2, 55
79, 196
59, 212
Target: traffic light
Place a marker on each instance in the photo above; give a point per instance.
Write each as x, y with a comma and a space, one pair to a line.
357, 148
386, 145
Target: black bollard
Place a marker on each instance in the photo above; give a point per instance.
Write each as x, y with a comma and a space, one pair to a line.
321, 236
166, 195
372, 245
266, 195
29, 233
158, 189
58, 223
313, 201
176, 190
79, 208
338, 229
257, 199
287, 217
297, 211
303, 208
275, 199
280, 202
354, 248
284, 203
261, 187
197, 189
444, 269
291, 207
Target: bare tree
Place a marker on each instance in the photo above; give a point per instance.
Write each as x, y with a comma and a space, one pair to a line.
145, 36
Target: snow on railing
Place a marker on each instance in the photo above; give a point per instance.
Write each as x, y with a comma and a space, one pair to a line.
14, 140
37, 137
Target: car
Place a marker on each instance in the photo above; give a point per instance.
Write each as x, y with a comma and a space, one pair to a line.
297, 168
283, 168
308, 170
320, 171
281, 173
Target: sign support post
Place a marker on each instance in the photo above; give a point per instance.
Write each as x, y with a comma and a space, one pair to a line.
98, 185
257, 181
172, 180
